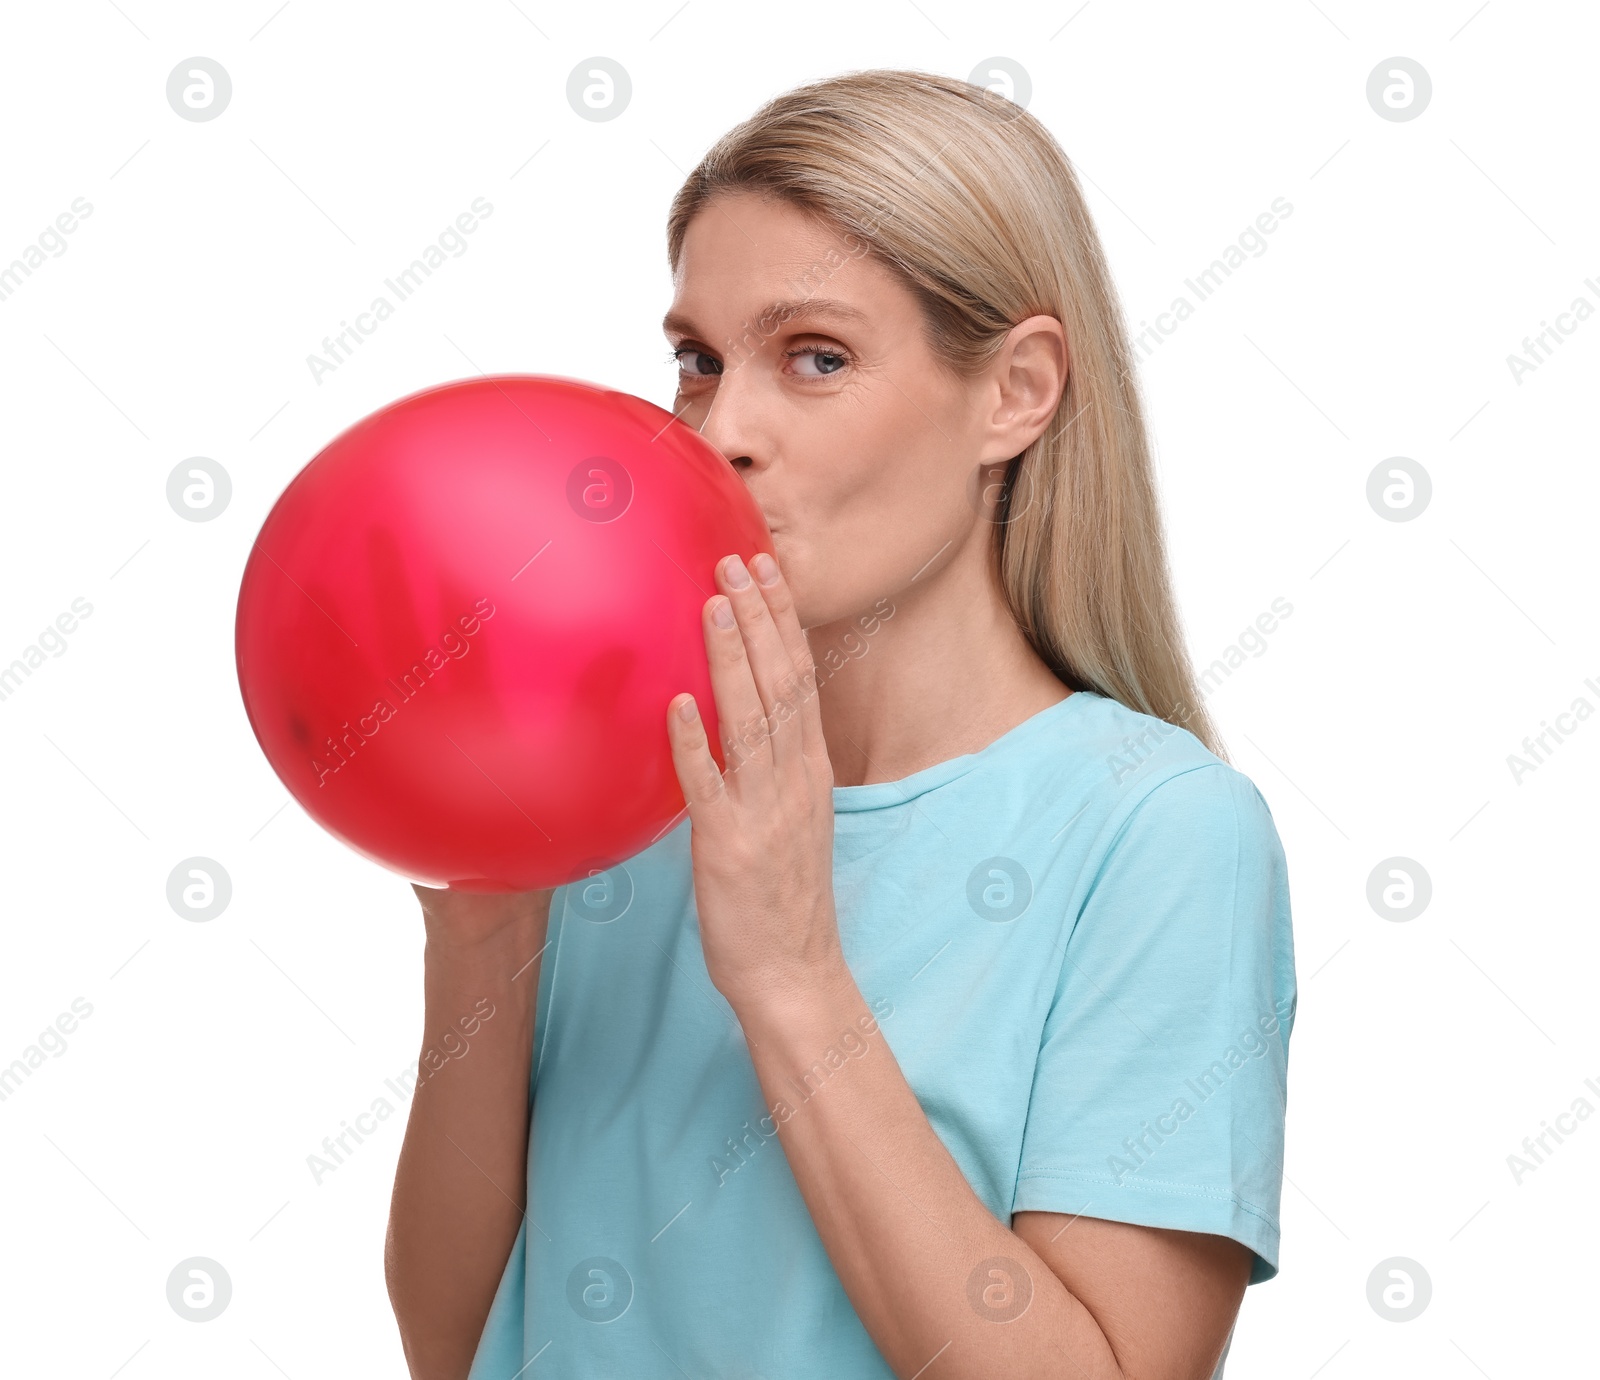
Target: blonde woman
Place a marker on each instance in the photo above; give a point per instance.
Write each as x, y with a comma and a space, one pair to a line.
946, 1035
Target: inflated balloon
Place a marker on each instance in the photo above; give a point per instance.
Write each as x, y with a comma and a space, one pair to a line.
461, 624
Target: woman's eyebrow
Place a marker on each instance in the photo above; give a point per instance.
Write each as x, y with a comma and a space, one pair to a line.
776, 314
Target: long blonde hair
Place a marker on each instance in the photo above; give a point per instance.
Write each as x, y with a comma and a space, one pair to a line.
973, 205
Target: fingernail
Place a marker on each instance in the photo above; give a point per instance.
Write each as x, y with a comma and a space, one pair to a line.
766, 569
686, 710
722, 614
737, 576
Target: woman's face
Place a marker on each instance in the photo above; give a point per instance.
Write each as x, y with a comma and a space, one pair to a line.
806, 366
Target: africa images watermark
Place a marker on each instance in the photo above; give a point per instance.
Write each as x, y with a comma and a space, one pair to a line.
849, 1045
1566, 1123
52, 1040
336, 1149
1537, 749
738, 746
51, 240
1252, 640
52, 639
339, 752
339, 347
1250, 243
1537, 349
1250, 1043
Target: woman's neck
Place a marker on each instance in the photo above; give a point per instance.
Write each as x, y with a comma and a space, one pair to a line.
946, 672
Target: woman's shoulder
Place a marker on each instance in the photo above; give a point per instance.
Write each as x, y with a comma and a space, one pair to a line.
1183, 839
1138, 763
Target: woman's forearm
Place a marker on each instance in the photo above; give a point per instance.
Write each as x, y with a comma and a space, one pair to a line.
461, 1183
919, 1254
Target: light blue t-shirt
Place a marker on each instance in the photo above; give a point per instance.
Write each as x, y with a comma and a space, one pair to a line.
1076, 943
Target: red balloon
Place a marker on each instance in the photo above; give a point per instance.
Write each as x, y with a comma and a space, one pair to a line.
461, 624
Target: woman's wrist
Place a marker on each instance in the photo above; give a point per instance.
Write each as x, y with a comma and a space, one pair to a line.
801, 1003
508, 948
474, 929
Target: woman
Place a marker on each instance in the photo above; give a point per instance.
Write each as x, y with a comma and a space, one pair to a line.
946, 1035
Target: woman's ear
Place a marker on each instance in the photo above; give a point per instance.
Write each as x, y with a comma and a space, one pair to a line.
1029, 375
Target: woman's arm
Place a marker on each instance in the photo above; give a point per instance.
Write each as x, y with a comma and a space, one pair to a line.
460, 1187
936, 1279
945, 1289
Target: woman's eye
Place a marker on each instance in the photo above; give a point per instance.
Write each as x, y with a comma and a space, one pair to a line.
826, 362
696, 364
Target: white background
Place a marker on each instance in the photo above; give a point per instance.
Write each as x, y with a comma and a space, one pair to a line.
1378, 721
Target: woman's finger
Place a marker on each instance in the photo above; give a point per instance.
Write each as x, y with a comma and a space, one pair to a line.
771, 663
741, 716
699, 777
807, 708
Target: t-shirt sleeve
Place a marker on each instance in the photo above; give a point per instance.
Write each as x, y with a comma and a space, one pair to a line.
1159, 1094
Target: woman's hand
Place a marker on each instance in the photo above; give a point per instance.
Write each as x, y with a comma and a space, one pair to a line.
762, 835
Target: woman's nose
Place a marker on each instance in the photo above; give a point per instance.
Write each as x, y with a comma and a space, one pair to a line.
730, 423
